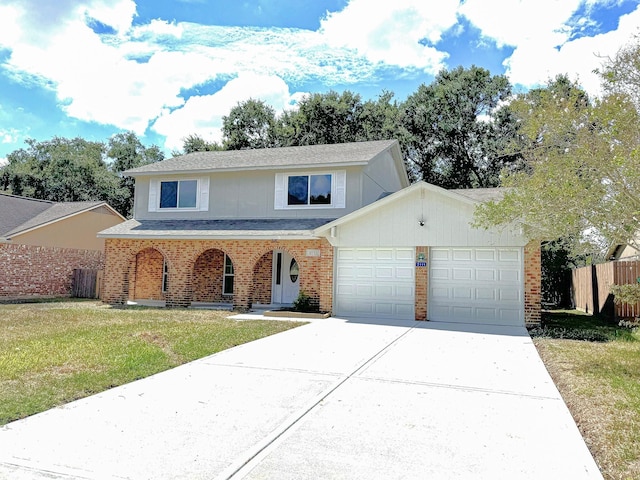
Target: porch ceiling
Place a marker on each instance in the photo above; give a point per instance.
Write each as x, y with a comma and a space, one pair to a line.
270, 228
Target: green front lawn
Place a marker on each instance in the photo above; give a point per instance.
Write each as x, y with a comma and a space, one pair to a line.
596, 366
52, 353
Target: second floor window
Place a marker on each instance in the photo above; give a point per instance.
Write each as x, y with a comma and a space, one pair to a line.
179, 194
309, 189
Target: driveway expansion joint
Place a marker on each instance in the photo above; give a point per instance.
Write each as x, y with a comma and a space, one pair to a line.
240, 469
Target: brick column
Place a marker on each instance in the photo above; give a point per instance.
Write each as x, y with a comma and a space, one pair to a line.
180, 269
532, 284
421, 285
115, 286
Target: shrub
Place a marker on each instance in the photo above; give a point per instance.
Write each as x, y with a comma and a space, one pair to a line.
304, 303
629, 293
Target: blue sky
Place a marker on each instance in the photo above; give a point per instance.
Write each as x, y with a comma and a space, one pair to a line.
167, 69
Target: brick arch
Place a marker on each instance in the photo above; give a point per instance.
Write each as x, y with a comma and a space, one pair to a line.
253, 260
145, 274
208, 280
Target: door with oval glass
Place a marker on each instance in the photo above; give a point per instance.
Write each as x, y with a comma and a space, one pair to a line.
286, 278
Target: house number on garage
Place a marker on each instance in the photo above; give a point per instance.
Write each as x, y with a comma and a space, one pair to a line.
421, 264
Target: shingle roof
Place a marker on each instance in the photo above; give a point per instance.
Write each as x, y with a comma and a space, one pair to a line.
270, 227
304, 156
18, 214
481, 194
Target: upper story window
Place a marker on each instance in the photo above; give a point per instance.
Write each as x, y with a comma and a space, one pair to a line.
178, 194
310, 190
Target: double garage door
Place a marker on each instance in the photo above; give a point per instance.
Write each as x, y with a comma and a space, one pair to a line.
466, 285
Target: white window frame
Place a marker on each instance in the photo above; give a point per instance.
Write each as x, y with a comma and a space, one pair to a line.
165, 276
202, 194
338, 190
226, 275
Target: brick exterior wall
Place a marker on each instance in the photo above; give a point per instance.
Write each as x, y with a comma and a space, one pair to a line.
532, 284
207, 277
148, 270
122, 281
422, 285
263, 279
28, 271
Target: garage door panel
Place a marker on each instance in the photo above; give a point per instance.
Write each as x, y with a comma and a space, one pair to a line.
509, 255
439, 254
461, 255
485, 255
485, 294
384, 273
486, 274
440, 273
405, 273
509, 294
462, 293
486, 288
462, 274
383, 283
509, 275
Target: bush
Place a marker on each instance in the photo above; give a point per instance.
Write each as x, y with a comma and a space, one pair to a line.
304, 303
586, 335
629, 293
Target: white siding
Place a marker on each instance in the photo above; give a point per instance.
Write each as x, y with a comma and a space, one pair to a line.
447, 223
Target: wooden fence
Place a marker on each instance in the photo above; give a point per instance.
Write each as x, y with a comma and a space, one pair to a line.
86, 283
590, 288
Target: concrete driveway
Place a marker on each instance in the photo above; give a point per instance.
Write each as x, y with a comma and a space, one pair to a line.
332, 399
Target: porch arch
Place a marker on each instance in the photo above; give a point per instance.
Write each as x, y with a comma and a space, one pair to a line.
148, 275
213, 276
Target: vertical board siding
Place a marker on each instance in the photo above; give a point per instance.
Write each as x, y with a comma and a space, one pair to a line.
85, 283
627, 272
591, 286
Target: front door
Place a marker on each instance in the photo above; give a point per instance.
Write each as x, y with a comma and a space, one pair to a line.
286, 278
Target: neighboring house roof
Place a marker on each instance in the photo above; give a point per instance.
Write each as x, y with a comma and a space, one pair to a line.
21, 214
340, 154
285, 228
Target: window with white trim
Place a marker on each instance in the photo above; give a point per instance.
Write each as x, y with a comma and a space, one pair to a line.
310, 190
170, 194
179, 194
228, 276
165, 276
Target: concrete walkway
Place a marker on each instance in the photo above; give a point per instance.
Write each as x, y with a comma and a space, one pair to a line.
332, 399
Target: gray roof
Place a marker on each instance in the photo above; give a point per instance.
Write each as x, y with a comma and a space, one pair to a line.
227, 228
18, 214
282, 157
481, 194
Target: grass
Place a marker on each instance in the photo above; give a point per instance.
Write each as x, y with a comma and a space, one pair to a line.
596, 366
55, 352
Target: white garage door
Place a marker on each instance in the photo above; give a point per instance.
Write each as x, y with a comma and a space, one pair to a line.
376, 282
476, 285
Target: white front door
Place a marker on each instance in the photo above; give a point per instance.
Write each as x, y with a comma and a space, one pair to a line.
286, 278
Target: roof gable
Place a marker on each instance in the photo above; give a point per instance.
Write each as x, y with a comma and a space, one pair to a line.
422, 214
340, 154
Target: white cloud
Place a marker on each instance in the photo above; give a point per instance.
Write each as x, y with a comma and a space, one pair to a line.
540, 33
3, 162
393, 33
202, 115
136, 77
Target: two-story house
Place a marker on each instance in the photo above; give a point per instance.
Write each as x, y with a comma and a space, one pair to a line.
340, 222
